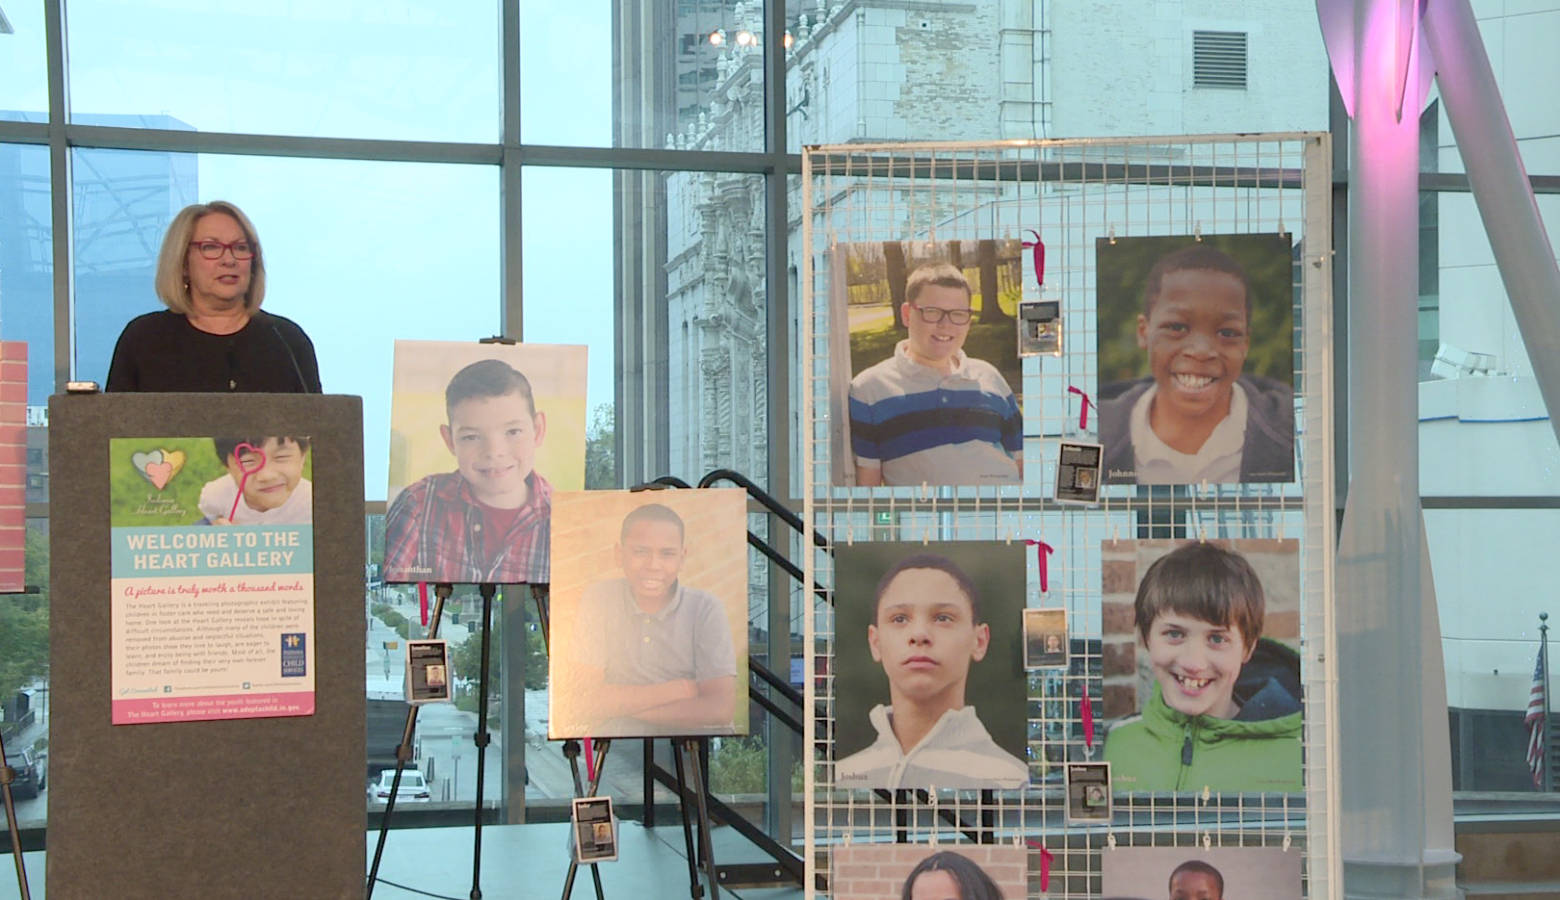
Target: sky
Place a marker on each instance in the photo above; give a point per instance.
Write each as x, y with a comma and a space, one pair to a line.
362, 254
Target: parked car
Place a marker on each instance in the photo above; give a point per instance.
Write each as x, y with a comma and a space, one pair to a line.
30, 775
414, 787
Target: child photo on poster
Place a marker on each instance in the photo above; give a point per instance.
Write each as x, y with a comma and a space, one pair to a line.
649, 613
1205, 689
927, 872
1196, 357
920, 631
268, 472
499, 415
935, 378
1192, 873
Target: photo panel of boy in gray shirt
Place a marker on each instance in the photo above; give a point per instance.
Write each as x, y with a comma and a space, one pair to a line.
649, 614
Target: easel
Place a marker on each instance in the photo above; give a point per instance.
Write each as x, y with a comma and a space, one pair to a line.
686, 752
403, 751
8, 775
571, 750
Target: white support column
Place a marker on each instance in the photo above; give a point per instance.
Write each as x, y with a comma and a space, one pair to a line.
1394, 756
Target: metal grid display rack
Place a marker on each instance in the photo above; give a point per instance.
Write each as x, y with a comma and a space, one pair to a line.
1071, 193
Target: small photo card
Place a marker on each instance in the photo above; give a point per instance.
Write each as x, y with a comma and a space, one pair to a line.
1088, 792
1045, 638
427, 672
1040, 328
1078, 473
595, 830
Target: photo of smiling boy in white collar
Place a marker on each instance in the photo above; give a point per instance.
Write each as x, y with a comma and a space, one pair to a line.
1195, 359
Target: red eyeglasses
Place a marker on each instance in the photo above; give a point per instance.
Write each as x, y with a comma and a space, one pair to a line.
214, 249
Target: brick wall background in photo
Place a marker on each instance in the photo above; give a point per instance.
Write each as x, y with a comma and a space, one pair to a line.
877, 871
1128, 678
13, 465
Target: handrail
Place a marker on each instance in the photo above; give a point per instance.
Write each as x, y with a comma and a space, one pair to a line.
769, 503
764, 672
762, 496
783, 855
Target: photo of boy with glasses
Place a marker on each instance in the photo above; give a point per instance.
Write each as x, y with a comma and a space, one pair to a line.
931, 413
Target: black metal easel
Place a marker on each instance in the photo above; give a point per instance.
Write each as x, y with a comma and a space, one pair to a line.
8, 775
482, 737
687, 753
571, 750
403, 750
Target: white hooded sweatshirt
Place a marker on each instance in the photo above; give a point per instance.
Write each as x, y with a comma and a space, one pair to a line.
957, 753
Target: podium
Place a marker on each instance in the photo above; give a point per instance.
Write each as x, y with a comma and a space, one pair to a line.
241, 807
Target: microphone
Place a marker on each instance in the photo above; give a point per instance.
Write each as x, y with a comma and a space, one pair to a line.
303, 383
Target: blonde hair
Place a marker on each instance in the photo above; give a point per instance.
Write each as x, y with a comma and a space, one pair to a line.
172, 279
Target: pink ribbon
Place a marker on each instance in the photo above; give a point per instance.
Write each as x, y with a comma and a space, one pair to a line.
422, 600
1045, 864
1039, 256
1083, 411
238, 455
590, 762
1042, 550
1086, 713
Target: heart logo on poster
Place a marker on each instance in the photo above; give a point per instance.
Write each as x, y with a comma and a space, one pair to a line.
158, 466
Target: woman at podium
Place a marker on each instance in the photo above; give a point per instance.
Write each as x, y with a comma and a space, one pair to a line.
212, 336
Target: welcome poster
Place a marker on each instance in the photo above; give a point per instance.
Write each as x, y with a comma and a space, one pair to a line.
212, 579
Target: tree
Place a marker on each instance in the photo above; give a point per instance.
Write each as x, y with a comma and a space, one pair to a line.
991, 311
896, 271
24, 622
24, 644
467, 655
601, 449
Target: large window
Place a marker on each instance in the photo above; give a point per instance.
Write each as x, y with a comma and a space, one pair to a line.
407, 182
27, 263
406, 69
643, 74
360, 254
1478, 389
24, 94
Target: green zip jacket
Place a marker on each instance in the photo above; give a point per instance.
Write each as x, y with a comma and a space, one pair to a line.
1166, 750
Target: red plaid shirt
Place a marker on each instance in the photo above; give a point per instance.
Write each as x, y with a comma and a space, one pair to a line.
433, 532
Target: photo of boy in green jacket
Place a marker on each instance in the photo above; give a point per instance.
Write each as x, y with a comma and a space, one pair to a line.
1224, 710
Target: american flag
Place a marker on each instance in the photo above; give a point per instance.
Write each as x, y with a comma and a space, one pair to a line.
1536, 710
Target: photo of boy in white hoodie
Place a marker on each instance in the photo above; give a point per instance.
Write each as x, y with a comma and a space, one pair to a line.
929, 624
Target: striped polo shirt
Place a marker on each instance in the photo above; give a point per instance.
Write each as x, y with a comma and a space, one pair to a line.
920, 425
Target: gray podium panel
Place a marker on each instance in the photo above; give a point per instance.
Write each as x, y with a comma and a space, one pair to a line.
238, 808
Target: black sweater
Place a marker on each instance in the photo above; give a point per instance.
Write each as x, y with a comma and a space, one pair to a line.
162, 351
